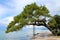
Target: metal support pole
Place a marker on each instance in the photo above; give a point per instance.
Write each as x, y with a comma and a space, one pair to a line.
33, 31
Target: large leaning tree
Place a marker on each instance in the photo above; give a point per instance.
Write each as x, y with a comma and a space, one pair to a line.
31, 13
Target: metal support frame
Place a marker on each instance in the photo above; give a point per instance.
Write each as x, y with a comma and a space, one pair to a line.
33, 31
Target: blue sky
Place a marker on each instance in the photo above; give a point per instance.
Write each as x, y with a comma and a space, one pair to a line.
10, 8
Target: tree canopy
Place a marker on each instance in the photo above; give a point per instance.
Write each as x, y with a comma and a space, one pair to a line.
30, 13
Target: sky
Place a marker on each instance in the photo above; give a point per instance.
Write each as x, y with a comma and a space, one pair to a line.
11, 8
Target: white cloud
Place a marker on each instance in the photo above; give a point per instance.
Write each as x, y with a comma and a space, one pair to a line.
2, 10
12, 7
5, 21
18, 5
52, 5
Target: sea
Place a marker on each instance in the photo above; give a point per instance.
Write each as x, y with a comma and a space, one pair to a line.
23, 34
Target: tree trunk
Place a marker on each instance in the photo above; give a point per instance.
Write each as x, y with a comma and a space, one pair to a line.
53, 31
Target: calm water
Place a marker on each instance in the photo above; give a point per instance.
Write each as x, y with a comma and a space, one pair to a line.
24, 34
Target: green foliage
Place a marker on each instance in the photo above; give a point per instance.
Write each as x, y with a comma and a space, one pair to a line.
52, 23
58, 33
55, 23
57, 18
29, 13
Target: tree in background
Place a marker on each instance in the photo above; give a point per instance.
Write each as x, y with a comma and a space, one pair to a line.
55, 24
57, 19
